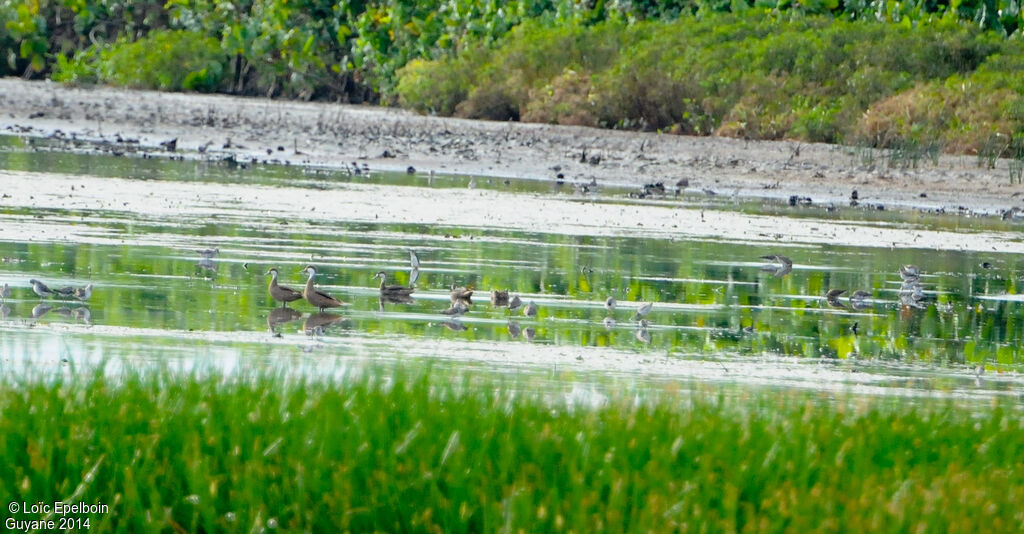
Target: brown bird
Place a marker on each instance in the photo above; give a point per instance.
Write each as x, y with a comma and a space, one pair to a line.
832, 298
461, 293
392, 289
315, 297
282, 294
499, 298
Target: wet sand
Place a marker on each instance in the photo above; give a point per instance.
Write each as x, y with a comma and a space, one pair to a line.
335, 136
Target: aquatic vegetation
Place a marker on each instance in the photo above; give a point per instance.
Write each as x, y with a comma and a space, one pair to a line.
411, 448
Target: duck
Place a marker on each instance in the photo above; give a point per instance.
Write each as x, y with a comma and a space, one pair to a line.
316, 297
280, 293
392, 289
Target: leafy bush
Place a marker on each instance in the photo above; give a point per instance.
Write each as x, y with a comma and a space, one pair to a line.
810, 78
166, 60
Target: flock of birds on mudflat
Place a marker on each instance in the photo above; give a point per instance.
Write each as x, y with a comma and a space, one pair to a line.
911, 295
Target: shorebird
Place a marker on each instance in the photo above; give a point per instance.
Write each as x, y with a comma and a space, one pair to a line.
530, 310
832, 298
461, 293
280, 293
83, 293
858, 299
783, 266
5, 292
392, 289
515, 303
609, 304
457, 308
208, 252
63, 292
643, 310
40, 288
499, 298
910, 272
315, 297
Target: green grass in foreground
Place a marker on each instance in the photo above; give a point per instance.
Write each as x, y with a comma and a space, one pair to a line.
415, 450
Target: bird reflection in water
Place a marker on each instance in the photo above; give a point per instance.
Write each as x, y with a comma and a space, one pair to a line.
514, 330
5, 310
316, 324
386, 298
40, 310
455, 326
279, 316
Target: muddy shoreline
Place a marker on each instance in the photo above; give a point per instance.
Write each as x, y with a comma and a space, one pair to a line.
338, 136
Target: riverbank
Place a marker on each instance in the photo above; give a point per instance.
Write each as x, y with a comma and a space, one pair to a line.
336, 136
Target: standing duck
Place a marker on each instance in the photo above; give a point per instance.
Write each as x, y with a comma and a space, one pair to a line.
282, 294
392, 289
316, 297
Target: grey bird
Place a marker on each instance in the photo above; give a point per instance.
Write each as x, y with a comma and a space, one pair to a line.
609, 304
514, 329
832, 298
83, 293
783, 265
530, 310
5, 292
457, 308
40, 288
910, 272
643, 310
858, 299
515, 303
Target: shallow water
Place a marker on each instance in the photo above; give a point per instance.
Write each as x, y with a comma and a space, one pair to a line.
133, 226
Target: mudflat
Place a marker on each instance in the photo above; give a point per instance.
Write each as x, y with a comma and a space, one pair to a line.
337, 136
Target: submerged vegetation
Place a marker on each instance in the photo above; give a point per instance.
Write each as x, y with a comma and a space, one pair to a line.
390, 450
873, 73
